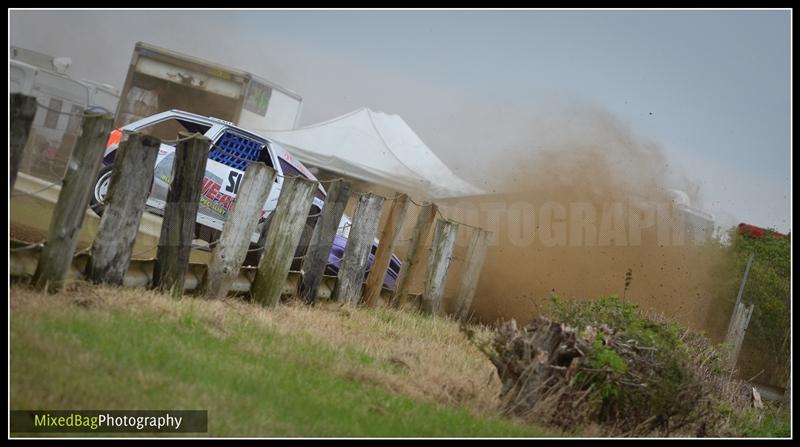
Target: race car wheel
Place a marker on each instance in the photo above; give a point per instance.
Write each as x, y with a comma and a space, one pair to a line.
98, 196
99, 193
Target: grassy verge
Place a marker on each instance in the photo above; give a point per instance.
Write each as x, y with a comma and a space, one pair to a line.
291, 371
773, 421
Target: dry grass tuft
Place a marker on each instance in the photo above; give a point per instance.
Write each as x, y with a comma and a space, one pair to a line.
424, 358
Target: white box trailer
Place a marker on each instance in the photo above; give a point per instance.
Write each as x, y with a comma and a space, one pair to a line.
43, 76
159, 80
62, 98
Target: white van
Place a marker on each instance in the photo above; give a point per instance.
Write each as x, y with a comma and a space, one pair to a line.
61, 100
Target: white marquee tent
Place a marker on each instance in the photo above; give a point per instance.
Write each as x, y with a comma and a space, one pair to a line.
374, 147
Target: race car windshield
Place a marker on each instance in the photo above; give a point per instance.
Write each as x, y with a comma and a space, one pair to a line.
168, 129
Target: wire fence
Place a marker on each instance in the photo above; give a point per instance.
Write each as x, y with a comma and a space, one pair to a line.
81, 115
32, 246
87, 114
33, 193
53, 166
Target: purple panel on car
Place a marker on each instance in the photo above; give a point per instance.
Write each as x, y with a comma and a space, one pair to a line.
337, 252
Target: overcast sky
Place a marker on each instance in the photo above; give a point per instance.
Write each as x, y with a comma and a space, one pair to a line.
711, 87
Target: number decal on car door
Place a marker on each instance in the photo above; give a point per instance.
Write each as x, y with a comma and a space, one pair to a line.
234, 179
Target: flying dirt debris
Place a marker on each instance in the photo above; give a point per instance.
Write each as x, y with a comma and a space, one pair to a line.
590, 200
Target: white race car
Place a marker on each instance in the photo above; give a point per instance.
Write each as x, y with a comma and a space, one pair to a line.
232, 150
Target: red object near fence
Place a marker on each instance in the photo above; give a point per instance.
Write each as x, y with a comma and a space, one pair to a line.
757, 232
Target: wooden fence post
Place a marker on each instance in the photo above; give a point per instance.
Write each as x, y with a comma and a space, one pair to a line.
359, 244
321, 242
427, 215
230, 251
127, 193
740, 318
473, 263
282, 239
741, 288
737, 330
23, 110
383, 255
183, 201
73, 200
444, 239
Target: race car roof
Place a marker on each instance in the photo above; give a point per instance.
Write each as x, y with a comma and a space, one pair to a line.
374, 147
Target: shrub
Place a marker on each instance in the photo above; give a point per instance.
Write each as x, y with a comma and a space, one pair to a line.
658, 388
606, 362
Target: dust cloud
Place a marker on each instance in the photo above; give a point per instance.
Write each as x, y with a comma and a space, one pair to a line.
590, 202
